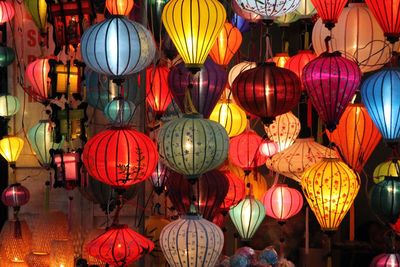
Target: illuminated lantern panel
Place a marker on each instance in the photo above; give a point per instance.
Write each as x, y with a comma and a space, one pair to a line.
280, 59
306, 9
247, 15
119, 7
269, 8
389, 168
226, 45
73, 76
386, 260
10, 149
329, 11
297, 62
230, 116
268, 148
238, 69
119, 111
384, 199
158, 95
37, 75
67, 168
62, 253
9, 105
88, 238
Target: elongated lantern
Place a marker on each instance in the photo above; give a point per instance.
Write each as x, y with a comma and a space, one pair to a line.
10, 148
158, 94
38, 11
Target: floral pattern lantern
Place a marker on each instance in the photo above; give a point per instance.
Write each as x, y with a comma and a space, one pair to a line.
37, 74
389, 168
158, 94
246, 14
9, 105
384, 199
230, 116
386, 260
329, 11
269, 8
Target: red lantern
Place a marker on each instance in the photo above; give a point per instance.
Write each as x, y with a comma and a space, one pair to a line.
331, 82
158, 94
67, 168
282, 202
236, 191
120, 157
119, 246
267, 91
297, 62
6, 11
15, 195
329, 11
37, 74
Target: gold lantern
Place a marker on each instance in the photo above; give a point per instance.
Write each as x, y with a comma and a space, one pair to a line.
62, 253
230, 116
390, 168
10, 148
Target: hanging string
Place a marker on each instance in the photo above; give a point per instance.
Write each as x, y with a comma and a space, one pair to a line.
268, 48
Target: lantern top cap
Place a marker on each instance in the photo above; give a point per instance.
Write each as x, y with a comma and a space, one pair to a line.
190, 216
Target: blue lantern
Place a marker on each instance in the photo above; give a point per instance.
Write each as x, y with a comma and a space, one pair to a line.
385, 199
119, 111
381, 96
117, 47
240, 23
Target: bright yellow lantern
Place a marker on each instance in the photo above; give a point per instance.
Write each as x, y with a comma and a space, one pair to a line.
10, 148
389, 168
230, 116
330, 187
193, 26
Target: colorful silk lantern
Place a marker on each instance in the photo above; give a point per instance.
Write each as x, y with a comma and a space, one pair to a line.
119, 7
15, 195
207, 86
159, 178
191, 241
382, 99
269, 8
236, 191
238, 69
67, 79
10, 148
329, 11
62, 253
7, 12
119, 246
330, 188
246, 14
117, 47
284, 130
15, 248
356, 136
191, 145
37, 74
230, 116
227, 43
120, 157
119, 111
38, 11
280, 59
282, 202
7, 54
386, 260
67, 167
331, 82
306, 9
268, 148
297, 62
389, 168
158, 94
384, 198
194, 35
87, 239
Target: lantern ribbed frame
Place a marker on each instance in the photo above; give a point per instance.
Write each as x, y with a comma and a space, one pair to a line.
230, 116
238, 69
386, 260
92, 234
119, 7
15, 195
247, 15
7, 12
15, 249
38, 11
120, 156
306, 9
7, 56
384, 199
269, 8
9, 105
191, 241
280, 59
389, 168
236, 191
329, 11
154, 224
37, 74
159, 177
62, 253
119, 111
284, 21
158, 94
10, 148
297, 62
330, 187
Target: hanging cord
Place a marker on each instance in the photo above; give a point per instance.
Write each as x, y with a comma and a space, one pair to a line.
268, 48
327, 40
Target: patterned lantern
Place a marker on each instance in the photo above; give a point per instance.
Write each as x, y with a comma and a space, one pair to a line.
38, 11
304, 153
7, 54
119, 7
280, 59
194, 35
384, 199
386, 260
120, 157
119, 111
226, 45
382, 99
331, 82
192, 145
330, 188
9, 105
246, 14
15, 248
282, 202
267, 91
329, 11
238, 69
15, 195
67, 167
247, 216
37, 74
7, 12
119, 246
62, 253
117, 47
159, 178
158, 94
191, 241
10, 148
297, 62
207, 86
269, 8
230, 116
236, 191
41, 138
356, 136
389, 168
268, 148
306, 9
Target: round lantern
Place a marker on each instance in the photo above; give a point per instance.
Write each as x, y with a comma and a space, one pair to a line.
158, 94
389, 168
7, 12
191, 241
297, 62
284, 130
117, 47
37, 74
119, 246
207, 86
267, 91
9, 105
38, 11
247, 216
227, 43
330, 188
306, 9
239, 22
238, 69
304, 153
230, 116
386, 260
269, 8
280, 59
236, 191
247, 15
282, 202
119, 111
356, 136
331, 82
268, 148
192, 145
41, 138
119, 7
15, 248
120, 157
194, 35
385, 197
15, 195
159, 178
10, 148
382, 99
368, 48
329, 11
7, 54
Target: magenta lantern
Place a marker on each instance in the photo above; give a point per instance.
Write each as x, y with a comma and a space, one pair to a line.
386, 260
15, 195
67, 166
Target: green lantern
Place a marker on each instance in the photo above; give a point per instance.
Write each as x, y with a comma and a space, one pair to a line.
9, 105
7, 56
119, 111
41, 138
385, 199
38, 11
192, 145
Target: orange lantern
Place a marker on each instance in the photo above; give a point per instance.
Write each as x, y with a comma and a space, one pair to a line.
158, 95
119, 7
226, 45
280, 59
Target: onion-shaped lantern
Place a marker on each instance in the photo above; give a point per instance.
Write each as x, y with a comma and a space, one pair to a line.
191, 241
284, 130
7, 54
7, 12
246, 14
227, 43
14, 248
207, 86
236, 191
15, 195
297, 62
119, 7
38, 11
268, 148
280, 59
10, 148
119, 246
282, 202
390, 168
329, 11
9, 105
386, 260
384, 199
230, 116
158, 94
382, 99
238, 69
119, 111
37, 74
306, 9
159, 178
331, 82
192, 145
269, 8
194, 35
356, 136
330, 188
117, 47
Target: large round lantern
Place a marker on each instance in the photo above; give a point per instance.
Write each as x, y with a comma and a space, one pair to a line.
386, 260
267, 91
238, 69
236, 191
9, 105
119, 7
38, 11
15, 195
226, 45
306, 9
7, 54
368, 48
230, 116
120, 157
117, 47
119, 246
191, 241
329, 11
269, 8
10, 148
282, 202
389, 168
385, 197
297, 62
331, 82
330, 188
7, 11
194, 35
381, 97
37, 74
158, 95
206, 86
192, 145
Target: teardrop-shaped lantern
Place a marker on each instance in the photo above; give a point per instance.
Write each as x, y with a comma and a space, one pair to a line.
269, 8
38, 11
119, 7
158, 94
238, 69
230, 116
384, 199
37, 74
297, 62
9, 105
329, 11
390, 168
10, 148
119, 111
7, 54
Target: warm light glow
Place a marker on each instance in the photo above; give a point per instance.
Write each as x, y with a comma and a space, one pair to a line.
62, 78
10, 148
268, 148
230, 116
119, 7
280, 59
226, 45
389, 168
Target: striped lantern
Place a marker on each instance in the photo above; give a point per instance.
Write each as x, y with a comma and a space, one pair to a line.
384, 199
238, 69
389, 168
119, 7
158, 94
306, 9
9, 105
37, 73
329, 11
269, 8
297, 62
119, 111
230, 116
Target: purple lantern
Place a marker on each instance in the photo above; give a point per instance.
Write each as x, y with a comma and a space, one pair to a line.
241, 23
208, 85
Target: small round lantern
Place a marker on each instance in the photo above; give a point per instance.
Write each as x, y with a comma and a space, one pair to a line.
236, 191
7, 11
230, 116
238, 69
10, 149
37, 74
329, 11
386, 260
119, 7
297, 62
15, 195
384, 199
119, 111
9, 105
158, 94
389, 168
7, 54
269, 8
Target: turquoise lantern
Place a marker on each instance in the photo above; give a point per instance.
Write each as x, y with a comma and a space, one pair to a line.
9, 105
7, 56
119, 111
385, 199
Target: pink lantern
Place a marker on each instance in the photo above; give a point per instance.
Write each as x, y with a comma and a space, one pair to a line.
67, 168
15, 195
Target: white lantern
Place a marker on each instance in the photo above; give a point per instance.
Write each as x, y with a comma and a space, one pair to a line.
269, 8
239, 68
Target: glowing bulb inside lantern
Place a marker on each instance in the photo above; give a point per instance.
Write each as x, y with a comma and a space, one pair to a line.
188, 145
